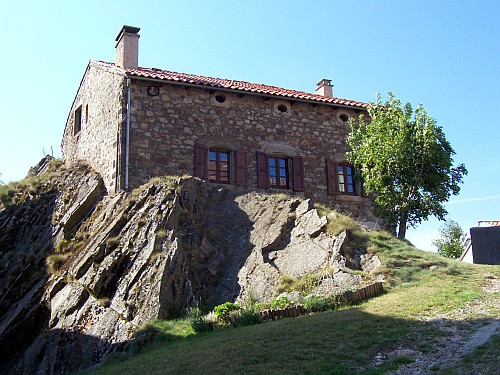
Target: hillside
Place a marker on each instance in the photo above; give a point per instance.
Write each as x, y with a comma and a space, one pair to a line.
88, 277
434, 316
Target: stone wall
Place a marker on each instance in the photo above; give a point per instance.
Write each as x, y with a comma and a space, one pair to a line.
100, 99
166, 127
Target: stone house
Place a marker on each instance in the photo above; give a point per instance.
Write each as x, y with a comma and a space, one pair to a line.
132, 123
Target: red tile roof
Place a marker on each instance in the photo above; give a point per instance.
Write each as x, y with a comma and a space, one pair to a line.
258, 88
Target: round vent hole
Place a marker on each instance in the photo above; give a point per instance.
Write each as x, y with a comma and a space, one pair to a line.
282, 108
344, 117
153, 90
220, 98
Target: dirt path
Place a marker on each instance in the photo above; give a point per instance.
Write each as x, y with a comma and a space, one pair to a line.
462, 330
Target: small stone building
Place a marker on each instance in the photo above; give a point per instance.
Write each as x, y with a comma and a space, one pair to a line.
131, 124
484, 245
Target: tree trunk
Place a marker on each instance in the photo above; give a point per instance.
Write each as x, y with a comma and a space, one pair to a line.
402, 224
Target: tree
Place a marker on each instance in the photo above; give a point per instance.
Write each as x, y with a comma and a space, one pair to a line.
406, 161
1, 182
452, 241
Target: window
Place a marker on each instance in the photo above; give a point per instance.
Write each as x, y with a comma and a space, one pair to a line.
340, 179
218, 166
346, 179
278, 172
77, 126
214, 165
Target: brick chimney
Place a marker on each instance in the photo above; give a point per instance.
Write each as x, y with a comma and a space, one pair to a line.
325, 88
127, 47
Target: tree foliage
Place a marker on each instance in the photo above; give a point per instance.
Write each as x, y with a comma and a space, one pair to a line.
406, 161
452, 241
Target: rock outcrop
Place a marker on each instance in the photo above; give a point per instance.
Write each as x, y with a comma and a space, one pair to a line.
130, 258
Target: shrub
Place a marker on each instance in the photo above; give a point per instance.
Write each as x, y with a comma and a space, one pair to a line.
318, 303
452, 241
55, 262
247, 317
113, 242
249, 314
225, 311
62, 246
105, 301
306, 284
198, 323
161, 234
280, 303
285, 283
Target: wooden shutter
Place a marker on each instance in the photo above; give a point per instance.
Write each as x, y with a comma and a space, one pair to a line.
241, 168
201, 161
331, 177
262, 170
298, 173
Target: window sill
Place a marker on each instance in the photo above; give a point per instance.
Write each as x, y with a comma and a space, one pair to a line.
349, 198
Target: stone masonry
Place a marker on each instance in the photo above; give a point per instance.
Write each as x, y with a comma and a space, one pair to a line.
167, 127
101, 100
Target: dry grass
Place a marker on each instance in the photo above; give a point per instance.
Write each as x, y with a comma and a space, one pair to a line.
54, 262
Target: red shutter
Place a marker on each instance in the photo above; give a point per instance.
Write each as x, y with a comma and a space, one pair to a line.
331, 177
241, 168
298, 173
201, 161
262, 170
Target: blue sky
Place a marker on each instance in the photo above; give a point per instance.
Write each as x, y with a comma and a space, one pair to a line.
444, 54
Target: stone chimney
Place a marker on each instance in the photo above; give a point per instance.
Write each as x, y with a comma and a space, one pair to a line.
127, 47
325, 88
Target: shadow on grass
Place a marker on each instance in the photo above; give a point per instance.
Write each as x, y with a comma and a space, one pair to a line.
346, 341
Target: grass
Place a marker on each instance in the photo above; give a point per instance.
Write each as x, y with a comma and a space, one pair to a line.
345, 341
293, 346
279, 197
55, 261
168, 180
17, 191
165, 331
113, 242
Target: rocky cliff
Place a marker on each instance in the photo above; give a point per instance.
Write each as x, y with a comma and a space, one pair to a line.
81, 271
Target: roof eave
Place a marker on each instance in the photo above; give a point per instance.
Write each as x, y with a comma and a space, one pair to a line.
284, 97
